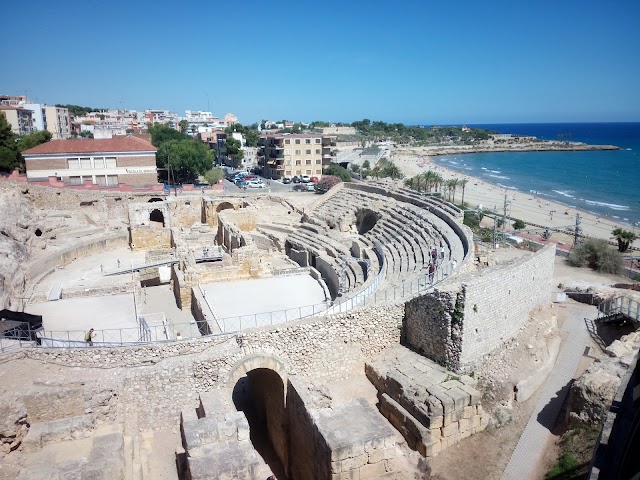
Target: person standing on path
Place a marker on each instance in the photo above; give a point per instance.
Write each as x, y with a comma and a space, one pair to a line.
432, 271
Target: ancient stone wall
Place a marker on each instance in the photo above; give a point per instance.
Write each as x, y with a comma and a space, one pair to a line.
497, 303
146, 237
459, 323
185, 211
181, 290
329, 275
48, 263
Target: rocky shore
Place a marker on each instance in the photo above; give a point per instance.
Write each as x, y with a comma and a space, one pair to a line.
542, 146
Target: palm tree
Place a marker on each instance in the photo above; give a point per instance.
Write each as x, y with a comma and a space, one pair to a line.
375, 172
463, 183
624, 238
438, 181
411, 182
453, 186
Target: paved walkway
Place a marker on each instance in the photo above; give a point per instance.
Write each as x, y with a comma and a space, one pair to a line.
537, 433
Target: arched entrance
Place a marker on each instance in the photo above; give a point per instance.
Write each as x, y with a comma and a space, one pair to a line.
155, 199
224, 206
156, 218
259, 390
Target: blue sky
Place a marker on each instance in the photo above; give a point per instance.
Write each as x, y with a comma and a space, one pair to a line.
414, 62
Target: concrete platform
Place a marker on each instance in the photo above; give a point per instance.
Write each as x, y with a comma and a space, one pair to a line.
250, 300
77, 315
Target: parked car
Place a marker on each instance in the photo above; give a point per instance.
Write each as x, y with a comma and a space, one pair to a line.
295, 179
315, 179
305, 178
304, 187
242, 184
255, 184
286, 180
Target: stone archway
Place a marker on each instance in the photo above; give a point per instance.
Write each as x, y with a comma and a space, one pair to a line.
224, 206
156, 217
259, 384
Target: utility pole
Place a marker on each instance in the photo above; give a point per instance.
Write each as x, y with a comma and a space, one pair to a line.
578, 231
504, 215
495, 229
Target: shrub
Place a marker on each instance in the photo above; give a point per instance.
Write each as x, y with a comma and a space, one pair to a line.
327, 182
596, 254
214, 175
337, 170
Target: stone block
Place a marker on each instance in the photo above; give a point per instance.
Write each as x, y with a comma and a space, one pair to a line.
372, 470
352, 475
466, 434
445, 400
390, 452
475, 395
479, 409
373, 444
475, 421
465, 425
461, 398
469, 412
353, 463
347, 451
376, 456
450, 430
467, 380
432, 448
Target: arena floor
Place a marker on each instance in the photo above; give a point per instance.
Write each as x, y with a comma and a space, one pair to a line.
255, 303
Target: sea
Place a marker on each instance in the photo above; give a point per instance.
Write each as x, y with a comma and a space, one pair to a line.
606, 183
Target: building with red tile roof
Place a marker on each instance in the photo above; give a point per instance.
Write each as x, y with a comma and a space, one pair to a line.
113, 161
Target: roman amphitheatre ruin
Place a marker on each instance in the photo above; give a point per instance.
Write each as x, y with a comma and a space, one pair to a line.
244, 336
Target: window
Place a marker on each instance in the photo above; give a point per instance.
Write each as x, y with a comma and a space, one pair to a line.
101, 180
317, 140
110, 162
98, 162
297, 141
307, 141
287, 152
308, 151
309, 172
85, 163
298, 162
318, 151
318, 171
73, 163
298, 172
318, 162
298, 152
288, 162
308, 162
112, 180
287, 141
287, 173
75, 180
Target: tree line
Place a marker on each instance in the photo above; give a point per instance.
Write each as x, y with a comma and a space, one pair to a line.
12, 145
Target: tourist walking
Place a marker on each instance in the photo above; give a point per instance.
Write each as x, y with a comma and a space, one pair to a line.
454, 265
432, 271
89, 336
441, 251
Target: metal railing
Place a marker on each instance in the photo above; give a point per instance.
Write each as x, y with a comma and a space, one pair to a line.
154, 328
622, 305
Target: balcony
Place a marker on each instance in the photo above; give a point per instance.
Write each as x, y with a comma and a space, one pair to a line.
276, 154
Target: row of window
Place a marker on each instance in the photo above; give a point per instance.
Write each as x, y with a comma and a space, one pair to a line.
91, 162
102, 180
306, 162
299, 152
287, 141
288, 173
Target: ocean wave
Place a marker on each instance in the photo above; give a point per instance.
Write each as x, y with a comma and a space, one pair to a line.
538, 192
612, 206
482, 168
495, 171
507, 187
564, 194
451, 161
501, 177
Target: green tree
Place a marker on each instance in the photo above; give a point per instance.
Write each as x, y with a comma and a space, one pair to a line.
164, 133
463, 183
391, 170
9, 157
184, 125
338, 171
596, 254
354, 167
234, 151
624, 238
375, 172
86, 134
366, 165
33, 139
214, 175
519, 224
187, 158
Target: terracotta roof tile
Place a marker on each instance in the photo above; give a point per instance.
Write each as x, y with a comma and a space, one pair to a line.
91, 145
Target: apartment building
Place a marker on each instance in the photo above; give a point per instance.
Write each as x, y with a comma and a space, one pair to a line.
282, 155
58, 121
107, 162
20, 119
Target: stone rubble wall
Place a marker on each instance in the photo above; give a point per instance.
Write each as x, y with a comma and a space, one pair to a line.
497, 303
459, 323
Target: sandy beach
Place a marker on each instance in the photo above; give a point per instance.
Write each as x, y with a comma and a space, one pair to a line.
521, 205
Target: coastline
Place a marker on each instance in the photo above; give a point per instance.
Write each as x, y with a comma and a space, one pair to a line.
542, 146
531, 208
